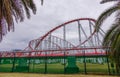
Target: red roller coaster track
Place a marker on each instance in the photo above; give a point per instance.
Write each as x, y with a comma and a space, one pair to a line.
53, 45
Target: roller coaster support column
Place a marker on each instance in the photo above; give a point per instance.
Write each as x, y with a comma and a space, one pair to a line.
72, 67
13, 66
45, 63
46, 59
22, 65
64, 37
84, 63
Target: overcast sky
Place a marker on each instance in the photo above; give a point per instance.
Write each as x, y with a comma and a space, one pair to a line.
50, 15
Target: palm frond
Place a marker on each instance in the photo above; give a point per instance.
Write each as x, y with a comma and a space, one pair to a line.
42, 2
109, 34
105, 1
112, 37
14, 9
115, 40
30, 4
116, 52
104, 15
26, 8
7, 14
17, 10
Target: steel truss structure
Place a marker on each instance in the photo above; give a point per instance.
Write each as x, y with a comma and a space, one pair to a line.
73, 38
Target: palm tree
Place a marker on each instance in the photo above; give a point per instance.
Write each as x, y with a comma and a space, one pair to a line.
112, 37
11, 10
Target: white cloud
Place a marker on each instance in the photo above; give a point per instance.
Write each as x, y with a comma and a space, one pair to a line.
50, 15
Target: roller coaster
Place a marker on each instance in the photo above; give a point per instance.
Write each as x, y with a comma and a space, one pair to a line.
75, 38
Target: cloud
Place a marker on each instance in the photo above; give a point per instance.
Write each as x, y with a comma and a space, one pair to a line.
50, 15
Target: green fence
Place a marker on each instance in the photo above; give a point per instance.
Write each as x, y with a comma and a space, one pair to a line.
58, 65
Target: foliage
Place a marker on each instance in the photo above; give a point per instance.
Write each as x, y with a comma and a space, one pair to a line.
11, 10
112, 37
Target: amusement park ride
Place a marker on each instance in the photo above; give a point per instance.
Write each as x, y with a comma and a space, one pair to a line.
75, 38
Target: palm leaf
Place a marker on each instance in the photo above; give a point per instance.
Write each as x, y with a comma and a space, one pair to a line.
112, 37
17, 10
104, 15
109, 35
105, 1
115, 40
116, 53
26, 8
10, 9
42, 2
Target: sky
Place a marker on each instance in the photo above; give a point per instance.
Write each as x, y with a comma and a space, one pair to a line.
48, 16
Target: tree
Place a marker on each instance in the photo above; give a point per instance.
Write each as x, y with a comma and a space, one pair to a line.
13, 10
112, 37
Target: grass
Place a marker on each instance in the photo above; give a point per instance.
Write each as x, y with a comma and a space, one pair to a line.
56, 70
59, 68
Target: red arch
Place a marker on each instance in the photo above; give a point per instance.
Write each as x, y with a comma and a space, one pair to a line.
89, 19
